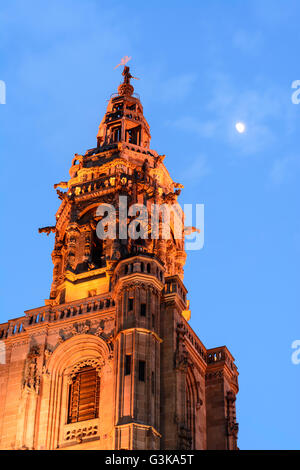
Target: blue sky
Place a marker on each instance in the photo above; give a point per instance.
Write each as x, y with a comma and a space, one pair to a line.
202, 67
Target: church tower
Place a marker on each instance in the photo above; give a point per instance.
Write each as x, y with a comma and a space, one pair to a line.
110, 361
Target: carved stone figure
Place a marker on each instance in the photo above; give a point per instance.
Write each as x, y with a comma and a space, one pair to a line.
31, 380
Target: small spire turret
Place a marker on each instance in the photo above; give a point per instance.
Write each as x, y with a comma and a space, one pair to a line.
124, 120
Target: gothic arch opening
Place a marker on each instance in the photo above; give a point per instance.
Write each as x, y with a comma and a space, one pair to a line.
78, 395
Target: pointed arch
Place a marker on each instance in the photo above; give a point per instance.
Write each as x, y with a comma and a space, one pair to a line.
80, 352
192, 399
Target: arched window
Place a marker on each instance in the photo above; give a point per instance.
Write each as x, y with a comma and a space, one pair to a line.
84, 395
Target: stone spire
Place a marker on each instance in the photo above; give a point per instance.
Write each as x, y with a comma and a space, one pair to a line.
124, 120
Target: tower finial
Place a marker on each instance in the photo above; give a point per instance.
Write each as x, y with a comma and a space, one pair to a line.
126, 88
127, 75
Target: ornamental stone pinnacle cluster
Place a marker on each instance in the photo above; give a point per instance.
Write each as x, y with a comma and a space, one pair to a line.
110, 361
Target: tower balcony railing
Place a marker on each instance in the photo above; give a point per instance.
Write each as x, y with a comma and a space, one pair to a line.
218, 358
140, 263
50, 314
115, 96
174, 285
108, 183
221, 354
120, 145
75, 433
216, 355
139, 149
103, 183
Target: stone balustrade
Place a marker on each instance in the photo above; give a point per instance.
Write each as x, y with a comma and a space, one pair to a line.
81, 430
173, 284
55, 313
221, 354
195, 341
141, 263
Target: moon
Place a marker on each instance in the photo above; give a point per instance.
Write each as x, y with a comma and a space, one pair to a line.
240, 127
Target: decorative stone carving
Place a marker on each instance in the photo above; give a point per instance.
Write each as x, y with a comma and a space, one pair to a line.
31, 380
47, 354
232, 425
80, 329
99, 330
96, 363
78, 431
61, 338
181, 360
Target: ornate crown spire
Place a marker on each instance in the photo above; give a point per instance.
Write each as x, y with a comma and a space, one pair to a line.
124, 120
